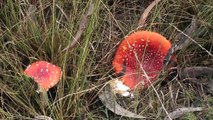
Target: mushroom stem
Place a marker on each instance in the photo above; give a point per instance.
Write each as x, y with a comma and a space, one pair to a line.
44, 97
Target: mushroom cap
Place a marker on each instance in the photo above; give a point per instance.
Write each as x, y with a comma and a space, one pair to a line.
142, 48
44, 73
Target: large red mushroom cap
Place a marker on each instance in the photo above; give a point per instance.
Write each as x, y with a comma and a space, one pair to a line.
140, 49
44, 73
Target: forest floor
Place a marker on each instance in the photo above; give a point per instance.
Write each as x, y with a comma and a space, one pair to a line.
81, 37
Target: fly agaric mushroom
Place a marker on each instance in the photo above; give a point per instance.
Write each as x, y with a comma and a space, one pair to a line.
140, 52
45, 74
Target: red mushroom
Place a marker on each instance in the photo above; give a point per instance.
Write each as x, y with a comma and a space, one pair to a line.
140, 49
45, 74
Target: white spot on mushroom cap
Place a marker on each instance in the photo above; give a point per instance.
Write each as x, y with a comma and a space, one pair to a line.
52, 83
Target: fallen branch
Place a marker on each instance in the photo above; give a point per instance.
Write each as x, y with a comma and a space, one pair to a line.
146, 12
108, 99
82, 27
193, 72
180, 111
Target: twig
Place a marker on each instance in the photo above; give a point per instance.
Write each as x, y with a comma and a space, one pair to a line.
42, 117
180, 111
82, 27
191, 73
146, 12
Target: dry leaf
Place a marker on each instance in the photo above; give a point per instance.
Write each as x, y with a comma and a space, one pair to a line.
108, 99
146, 13
183, 40
82, 26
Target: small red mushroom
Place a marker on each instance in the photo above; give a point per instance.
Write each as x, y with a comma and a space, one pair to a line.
46, 75
142, 48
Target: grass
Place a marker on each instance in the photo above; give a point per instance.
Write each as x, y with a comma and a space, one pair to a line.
40, 30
